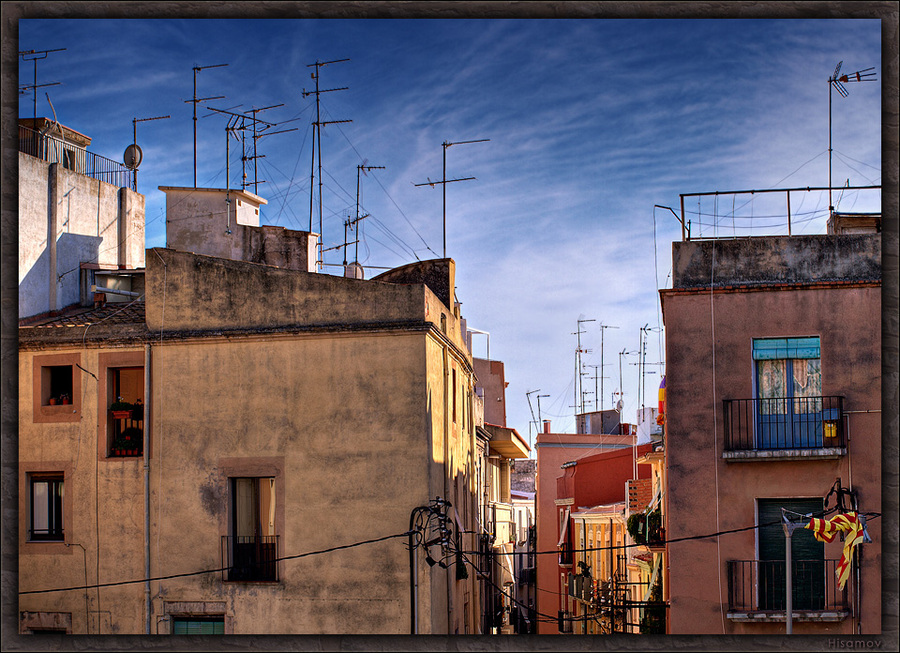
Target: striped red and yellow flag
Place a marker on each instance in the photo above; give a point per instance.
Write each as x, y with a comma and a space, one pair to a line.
825, 530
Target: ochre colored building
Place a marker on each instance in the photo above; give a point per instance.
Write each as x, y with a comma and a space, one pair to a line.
238, 445
287, 413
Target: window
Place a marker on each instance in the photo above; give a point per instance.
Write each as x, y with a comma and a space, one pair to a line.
788, 392
807, 557
252, 545
46, 492
56, 385
56, 388
125, 428
198, 625
454, 396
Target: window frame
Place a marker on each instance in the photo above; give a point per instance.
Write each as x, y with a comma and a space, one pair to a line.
259, 467
44, 413
107, 363
787, 418
56, 512
801, 539
27, 470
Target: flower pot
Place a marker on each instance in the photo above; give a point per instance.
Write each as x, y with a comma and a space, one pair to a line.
52, 401
121, 414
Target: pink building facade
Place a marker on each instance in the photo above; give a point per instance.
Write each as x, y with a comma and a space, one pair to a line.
553, 451
773, 372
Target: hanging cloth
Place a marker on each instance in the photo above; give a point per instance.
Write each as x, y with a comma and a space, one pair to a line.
825, 530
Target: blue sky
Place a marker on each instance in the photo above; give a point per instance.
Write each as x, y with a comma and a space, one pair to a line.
591, 123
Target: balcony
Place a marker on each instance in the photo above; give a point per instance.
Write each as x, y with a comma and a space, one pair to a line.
784, 428
250, 558
55, 150
126, 433
756, 591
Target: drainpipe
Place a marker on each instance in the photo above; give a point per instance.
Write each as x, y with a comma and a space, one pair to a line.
147, 394
447, 394
52, 226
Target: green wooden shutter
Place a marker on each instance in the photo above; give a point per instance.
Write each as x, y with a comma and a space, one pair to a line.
807, 556
199, 626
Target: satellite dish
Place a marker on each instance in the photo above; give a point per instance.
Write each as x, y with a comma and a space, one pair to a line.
619, 406
132, 157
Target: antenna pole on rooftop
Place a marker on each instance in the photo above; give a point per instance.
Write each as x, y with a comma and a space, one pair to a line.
134, 126
195, 101
317, 147
35, 56
837, 82
444, 181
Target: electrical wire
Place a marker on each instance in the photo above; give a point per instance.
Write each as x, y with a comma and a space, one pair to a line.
217, 570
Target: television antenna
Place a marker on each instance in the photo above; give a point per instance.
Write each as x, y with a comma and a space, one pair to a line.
444, 181
317, 148
837, 82
257, 134
364, 169
197, 100
602, 327
35, 56
137, 149
578, 351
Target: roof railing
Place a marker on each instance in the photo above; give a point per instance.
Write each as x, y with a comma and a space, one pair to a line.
55, 150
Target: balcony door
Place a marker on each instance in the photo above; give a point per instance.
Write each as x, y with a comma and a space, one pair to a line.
807, 557
253, 529
788, 393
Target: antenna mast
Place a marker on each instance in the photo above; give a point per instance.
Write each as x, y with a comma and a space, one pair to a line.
363, 168
36, 56
602, 326
579, 390
257, 134
837, 83
134, 126
444, 181
317, 147
195, 101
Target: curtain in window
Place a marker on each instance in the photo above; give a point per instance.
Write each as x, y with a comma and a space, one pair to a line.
245, 514
807, 385
772, 386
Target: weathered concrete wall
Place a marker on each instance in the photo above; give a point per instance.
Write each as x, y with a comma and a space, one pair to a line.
786, 259
200, 220
66, 219
438, 275
187, 291
705, 493
342, 417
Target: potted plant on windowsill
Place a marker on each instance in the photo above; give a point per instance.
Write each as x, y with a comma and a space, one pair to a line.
121, 409
130, 443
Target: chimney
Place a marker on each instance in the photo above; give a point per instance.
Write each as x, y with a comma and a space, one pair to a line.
546, 426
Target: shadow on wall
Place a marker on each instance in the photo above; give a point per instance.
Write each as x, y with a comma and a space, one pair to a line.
34, 287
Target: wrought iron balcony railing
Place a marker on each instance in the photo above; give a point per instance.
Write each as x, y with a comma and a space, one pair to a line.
784, 423
53, 150
759, 586
250, 558
126, 434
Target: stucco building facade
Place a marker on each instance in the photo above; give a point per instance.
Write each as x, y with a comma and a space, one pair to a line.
773, 354
282, 425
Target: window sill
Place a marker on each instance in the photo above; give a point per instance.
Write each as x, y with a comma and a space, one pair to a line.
798, 616
763, 455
